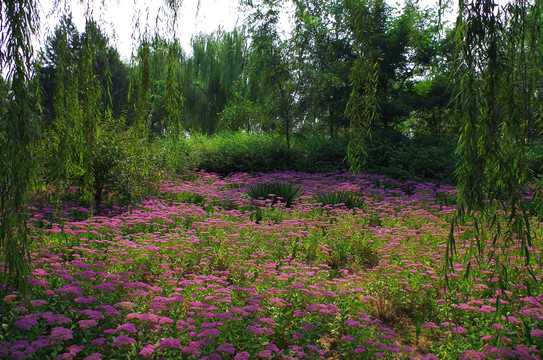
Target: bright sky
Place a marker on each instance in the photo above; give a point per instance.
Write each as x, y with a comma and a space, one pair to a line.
119, 18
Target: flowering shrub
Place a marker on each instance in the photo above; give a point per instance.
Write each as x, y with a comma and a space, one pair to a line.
171, 279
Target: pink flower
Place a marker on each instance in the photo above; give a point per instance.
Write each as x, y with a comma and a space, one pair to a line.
125, 305
99, 341
85, 299
244, 355
537, 333
266, 354
268, 321
71, 289
191, 350
128, 327
75, 349
109, 310
473, 355
85, 324
272, 347
55, 319
105, 286
460, 330
430, 325
122, 340
169, 342
43, 341
26, 323
147, 350
227, 348
61, 333
65, 356
93, 314
95, 356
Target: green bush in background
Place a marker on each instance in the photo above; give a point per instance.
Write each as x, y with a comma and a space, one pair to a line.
389, 153
123, 169
230, 152
320, 154
425, 158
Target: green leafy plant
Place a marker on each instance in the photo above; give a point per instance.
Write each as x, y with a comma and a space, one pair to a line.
275, 191
534, 207
230, 152
349, 200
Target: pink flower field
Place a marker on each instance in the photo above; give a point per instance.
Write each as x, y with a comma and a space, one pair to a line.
205, 272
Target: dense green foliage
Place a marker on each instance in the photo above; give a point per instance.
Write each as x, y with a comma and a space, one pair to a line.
18, 21
389, 153
498, 107
355, 84
341, 57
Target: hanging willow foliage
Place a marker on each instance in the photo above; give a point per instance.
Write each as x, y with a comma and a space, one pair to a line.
18, 22
218, 61
63, 163
172, 93
362, 108
144, 88
90, 93
78, 100
498, 67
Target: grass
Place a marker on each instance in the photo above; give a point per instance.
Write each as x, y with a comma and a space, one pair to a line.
177, 277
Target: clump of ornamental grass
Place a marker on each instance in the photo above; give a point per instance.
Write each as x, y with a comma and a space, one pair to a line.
284, 192
335, 198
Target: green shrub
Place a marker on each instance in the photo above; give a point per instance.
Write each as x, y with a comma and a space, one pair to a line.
334, 198
122, 169
231, 152
275, 191
122, 166
176, 154
320, 154
390, 154
396, 156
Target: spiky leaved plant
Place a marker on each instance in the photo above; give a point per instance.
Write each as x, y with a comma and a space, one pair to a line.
348, 199
276, 191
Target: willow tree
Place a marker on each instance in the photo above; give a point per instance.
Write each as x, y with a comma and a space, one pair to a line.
172, 94
78, 111
498, 104
144, 88
362, 108
18, 23
209, 76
